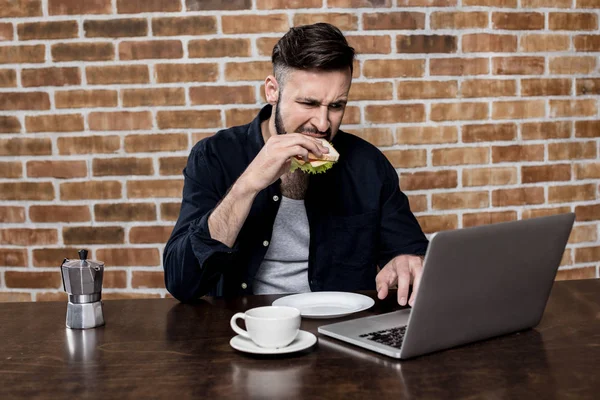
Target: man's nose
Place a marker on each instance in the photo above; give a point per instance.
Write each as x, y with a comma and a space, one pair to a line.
321, 120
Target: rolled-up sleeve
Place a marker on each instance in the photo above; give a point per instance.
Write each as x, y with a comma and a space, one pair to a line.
192, 260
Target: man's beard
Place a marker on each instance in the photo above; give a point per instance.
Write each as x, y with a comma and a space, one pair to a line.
280, 129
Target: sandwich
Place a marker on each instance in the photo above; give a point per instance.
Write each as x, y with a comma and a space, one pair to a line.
316, 165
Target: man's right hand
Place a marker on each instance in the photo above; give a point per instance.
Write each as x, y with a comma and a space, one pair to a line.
274, 159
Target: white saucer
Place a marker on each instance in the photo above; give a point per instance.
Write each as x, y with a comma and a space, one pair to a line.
304, 340
326, 304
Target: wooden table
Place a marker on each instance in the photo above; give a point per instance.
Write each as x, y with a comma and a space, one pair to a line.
159, 348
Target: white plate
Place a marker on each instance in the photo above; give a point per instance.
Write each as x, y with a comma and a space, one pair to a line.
304, 340
326, 304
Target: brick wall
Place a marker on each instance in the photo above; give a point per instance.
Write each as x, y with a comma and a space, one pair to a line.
488, 108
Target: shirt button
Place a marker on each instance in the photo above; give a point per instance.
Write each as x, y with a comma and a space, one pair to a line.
266, 243
244, 285
275, 198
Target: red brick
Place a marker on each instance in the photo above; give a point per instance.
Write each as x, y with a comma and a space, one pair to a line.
125, 212
218, 5
489, 176
20, 8
486, 218
11, 215
573, 108
571, 193
28, 237
458, 66
115, 28
236, 24
248, 71
50, 77
395, 113
426, 44
460, 156
54, 123
394, 21
427, 89
458, 111
418, 203
14, 297
488, 88
155, 49
90, 190
370, 44
585, 3
88, 145
544, 212
524, 109
576, 273
588, 86
371, 91
588, 212
572, 150
486, 43
8, 78
22, 54
359, 3
380, 137
517, 197
33, 280
86, 98
122, 166
238, 116
460, 200
344, 21
491, 3
573, 21
225, 47
114, 279
488, 132
25, 147
544, 43
96, 51
56, 169
166, 73
89, 235
156, 142
47, 30
189, 119
393, 68
546, 130
222, 95
588, 129
70, 213
458, 20
437, 223
518, 20
545, 87
153, 97
6, 32
150, 234
429, 180
72, 7
169, 211
120, 121
584, 254
11, 169
287, 4
572, 65
117, 74
184, 26
143, 6
587, 43
131, 257
589, 170
26, 191
407, 158
518, 65
426, 135
171, 165
13, 257
352, 115
148, 279
518, 153
545, 173
546, 3
154, 188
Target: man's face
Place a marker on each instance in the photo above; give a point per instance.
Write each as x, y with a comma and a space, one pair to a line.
312, 103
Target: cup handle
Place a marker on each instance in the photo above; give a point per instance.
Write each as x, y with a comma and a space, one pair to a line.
235, 326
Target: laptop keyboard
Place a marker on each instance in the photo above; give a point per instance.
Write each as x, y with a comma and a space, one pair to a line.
391, 337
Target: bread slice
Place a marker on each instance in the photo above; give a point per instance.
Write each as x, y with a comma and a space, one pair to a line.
332, 156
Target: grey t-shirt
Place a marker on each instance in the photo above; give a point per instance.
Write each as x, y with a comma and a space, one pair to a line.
285, 266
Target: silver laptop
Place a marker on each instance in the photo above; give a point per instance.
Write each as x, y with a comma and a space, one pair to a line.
477, 283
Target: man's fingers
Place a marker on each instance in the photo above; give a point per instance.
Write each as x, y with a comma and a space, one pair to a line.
417, 270
403, 283
384, 280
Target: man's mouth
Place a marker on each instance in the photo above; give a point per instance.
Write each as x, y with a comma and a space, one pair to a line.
321, 135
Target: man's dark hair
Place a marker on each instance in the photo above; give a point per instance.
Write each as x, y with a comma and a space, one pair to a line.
320, 46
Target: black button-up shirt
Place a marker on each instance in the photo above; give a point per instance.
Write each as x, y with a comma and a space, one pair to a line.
358, 217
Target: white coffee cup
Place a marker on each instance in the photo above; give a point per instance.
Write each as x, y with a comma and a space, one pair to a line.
270, 327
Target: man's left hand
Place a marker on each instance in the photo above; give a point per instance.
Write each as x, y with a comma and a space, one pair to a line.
402, 271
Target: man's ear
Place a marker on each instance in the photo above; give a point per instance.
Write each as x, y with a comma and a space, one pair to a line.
271, 90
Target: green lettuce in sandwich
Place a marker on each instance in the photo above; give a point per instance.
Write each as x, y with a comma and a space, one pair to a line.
316, 165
